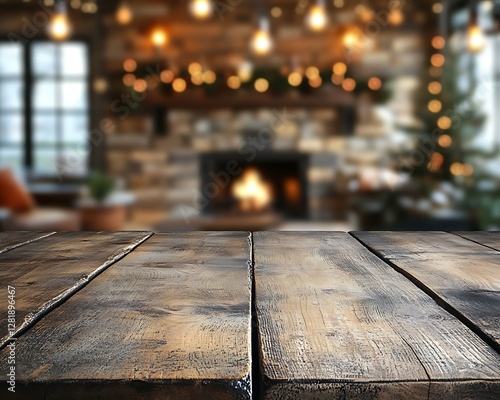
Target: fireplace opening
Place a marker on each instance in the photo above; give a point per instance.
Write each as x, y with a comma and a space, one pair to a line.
271, 182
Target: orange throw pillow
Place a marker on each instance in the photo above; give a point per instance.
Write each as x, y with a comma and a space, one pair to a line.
13, 194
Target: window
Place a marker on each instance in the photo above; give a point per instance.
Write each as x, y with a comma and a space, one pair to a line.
52, 137
11, 105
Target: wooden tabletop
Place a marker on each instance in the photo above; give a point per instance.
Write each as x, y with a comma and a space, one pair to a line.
239, 315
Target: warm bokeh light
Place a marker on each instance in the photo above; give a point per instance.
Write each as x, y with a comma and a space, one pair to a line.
365, 13
124, 14
276, 12
349, 84
317, 18
457, 169
312, 72
315, 82
396, 17
337, 79
201, 9
475, 38
435, 87
197, 79
467, 170
436, 162
128, 79
437, 60
251, 191
245, 70
129, 65
140, 85
159, 37
438, 42
374, 83
294, 79
445, 141
444, 122
194, 68
339, 68
437, 8
350, 38
166, 76
261, 42
338, 3
209, 77
233, 82
179, 85
261, 85
59, 27
435, 106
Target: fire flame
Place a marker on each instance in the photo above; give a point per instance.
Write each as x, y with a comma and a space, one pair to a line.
252, 193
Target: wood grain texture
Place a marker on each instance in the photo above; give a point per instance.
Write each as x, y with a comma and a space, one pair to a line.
335, 321
171, 321
463, 274
11, 240
489, 239
45, 272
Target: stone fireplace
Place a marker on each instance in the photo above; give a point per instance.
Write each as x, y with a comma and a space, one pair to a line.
268, 182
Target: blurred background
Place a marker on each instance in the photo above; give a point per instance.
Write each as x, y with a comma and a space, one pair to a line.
249, 115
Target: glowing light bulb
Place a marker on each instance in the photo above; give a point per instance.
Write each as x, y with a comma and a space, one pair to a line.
124, 14
245, 71
262, 42
295, 79
233, 82
159, 37
201, 9
59, 28
374, 83
475, 38
261, 85
179, 85
317, 18
339, 68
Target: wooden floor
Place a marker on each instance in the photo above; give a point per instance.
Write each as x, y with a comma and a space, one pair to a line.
238, 315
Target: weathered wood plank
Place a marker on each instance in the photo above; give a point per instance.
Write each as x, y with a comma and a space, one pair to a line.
45, 272
11, 240
489, 239
462, 274
171, 320
335, 321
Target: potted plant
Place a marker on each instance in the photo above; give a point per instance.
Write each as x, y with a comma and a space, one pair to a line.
99, 211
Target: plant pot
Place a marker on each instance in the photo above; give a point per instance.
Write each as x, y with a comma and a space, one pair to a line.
103, 217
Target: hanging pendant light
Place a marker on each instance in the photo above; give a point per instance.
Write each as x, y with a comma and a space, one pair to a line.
59, 27
317, 18
124, 14
201, 9
261, 41
475, 36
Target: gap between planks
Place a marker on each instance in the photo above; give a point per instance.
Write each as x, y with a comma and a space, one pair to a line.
439, 301
15, 246
473, 241
32, 318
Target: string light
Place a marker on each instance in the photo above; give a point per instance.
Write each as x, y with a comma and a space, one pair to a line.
396, 17
444, 122
245, 70
315, 82
159, 37
475, 38
317, 18
337, 79
129, 65
209, 77
201, 9
438, 42
124, 14
374, 83
457, 169
233, 82
312, 72
194, 68
179, 85
445, 141
197, 79
435, 106
339, 68
128, 79
261, 85
349, 84
295, 79
140, 85
261, 42
467, 170
166, 76
435, 87
59, 27
437, 60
